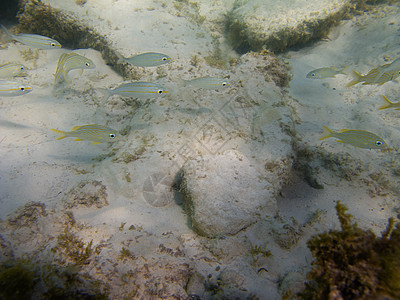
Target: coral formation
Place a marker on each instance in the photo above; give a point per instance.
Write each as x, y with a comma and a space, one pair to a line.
353, 263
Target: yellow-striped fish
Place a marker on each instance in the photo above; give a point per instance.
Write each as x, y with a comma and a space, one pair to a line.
209, 83
378, 75
389, 104
33, 40
137, 90
13, 88
148, 59
356, 138
12, 70
71, 61
92, 132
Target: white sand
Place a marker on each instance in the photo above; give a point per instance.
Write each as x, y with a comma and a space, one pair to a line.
36, 167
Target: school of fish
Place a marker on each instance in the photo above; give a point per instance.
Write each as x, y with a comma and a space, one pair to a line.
72, 61
100, 133
379, 76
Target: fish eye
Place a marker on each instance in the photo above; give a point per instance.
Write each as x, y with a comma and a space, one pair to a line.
224, 83
21, 88
160, 91
165, 58
22, 67
53, 44
112, 135
312, 74
379, 143
87, 64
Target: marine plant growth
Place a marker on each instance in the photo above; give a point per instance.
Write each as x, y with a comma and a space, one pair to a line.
354, 263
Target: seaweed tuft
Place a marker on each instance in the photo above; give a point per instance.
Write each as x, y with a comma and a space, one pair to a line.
353, 263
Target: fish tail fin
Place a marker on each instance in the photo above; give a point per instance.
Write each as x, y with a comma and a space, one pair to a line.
345, 70
356, 79
327, 133
387, 104
61, 133
8, 33
121, 59
106, 93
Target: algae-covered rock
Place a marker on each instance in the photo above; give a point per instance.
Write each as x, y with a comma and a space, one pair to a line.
276, 25
225, 194
354, 263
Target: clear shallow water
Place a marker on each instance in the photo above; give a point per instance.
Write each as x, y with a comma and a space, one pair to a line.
114, 211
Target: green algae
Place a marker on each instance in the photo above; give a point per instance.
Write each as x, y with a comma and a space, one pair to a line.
257, 252
125, 253
24, 279
17, 279
354, 263
74, 249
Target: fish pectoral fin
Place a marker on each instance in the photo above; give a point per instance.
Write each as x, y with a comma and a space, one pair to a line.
78, 139
76, 127
339, 141
80, 72
96, 143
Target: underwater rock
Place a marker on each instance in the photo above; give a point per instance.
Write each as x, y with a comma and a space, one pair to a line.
195, 286
273, 25
224, 194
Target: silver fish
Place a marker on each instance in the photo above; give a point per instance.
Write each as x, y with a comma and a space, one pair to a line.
209, 83
13, 88
137, 90
33, 40
148, 59
92, 132
71, 61
12, 70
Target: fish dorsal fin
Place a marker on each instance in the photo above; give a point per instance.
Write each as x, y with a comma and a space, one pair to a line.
76, 127
344, 130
